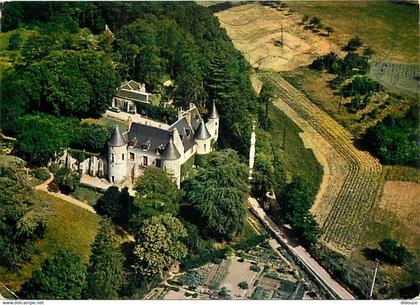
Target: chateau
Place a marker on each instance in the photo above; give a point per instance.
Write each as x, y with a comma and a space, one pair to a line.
144, 145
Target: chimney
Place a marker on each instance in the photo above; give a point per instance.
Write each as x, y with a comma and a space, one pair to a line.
180, 113
129, 121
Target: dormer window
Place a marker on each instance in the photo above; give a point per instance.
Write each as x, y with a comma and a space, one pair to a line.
159, 149
188, 132
146, 145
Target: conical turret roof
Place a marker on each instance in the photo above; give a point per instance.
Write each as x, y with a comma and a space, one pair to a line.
202, 132
170, 152
117, 138
213, 114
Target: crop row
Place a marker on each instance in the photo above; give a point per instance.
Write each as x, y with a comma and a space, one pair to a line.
354, 179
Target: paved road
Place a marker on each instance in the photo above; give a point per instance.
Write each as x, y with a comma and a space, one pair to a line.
301, 253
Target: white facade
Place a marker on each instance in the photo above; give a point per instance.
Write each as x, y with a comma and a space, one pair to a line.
144, 145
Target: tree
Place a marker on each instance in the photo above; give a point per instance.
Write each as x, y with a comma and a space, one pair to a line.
105, 273
353, 44
62, 276
265, 99
218, 193
395, 253
156, 194
66, 179
297, 201
21, 223
40, 137
316, 22
158, 246
329, 30
393, 140
91, 137
262, 176
116, 204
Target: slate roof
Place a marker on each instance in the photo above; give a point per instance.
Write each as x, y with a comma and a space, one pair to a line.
140, 134
117, 138
202, 133
213, 114
133, 96
195, 118
182, 126
170, 152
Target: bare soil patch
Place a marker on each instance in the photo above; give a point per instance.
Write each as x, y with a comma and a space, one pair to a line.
258, 31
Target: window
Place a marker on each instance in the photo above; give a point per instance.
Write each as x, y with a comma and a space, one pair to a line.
112, 179
145, 160
122, 156
205, 147
112, 157
132, 156
158, 163
188, 132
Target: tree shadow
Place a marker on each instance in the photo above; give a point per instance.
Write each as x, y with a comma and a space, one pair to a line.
372, 254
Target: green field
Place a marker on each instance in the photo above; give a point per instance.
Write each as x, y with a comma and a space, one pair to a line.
300, 161
390, 29
68, 226
108, 122
86, 194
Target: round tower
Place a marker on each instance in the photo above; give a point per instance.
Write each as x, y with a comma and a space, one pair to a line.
171, 160
117, 157
213, 119
203, 139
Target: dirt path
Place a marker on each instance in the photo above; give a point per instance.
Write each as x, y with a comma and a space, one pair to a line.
351, 181
44, 187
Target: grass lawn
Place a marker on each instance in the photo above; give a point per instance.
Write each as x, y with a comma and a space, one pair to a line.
87, 195
7, 57
69, 226
390, 29
108, 122
300, 161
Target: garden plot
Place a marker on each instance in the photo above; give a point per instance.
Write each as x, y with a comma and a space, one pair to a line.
396, 76
238, 272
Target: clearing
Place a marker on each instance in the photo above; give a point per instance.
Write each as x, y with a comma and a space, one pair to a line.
259, 38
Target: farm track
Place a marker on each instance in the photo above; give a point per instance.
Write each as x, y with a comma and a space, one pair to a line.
345, 203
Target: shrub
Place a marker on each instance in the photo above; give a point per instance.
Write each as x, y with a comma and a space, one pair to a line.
224, 293
395, 253
255, 268
243, 285
41, 173
66, 179
14, 41
193, 278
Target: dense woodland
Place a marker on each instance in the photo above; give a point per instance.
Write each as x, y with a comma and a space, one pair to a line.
151, 43
64, 68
